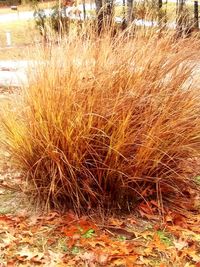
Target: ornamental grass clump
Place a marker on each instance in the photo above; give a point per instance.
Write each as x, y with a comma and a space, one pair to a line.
107, 122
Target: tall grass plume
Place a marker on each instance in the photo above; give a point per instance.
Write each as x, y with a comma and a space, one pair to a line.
108, 122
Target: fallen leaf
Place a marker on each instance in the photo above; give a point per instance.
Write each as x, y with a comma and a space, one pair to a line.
9, 239
180, 244
102, 258
76, 236
88, 256
56, 257
121, 232
26, 254
130, 261
115, 222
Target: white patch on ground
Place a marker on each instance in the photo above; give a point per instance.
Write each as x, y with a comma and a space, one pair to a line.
14, 73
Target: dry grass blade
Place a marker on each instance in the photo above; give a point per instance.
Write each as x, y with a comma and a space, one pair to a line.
103, 119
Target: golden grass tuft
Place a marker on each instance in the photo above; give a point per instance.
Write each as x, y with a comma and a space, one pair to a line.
108, 122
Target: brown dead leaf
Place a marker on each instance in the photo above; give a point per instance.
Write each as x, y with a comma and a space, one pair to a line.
178, 219
26, 255
70, 231
148, 216
132, 220
102, 258
8, 239
71, 242
93, 243
88, 256
56, 257
192, 253
10, 263
130, 261
124, 260
85, 225
76, 237
6, 219
147, 234
48, 217
180, 244
115, 222
119, 262
195, 255
121, 232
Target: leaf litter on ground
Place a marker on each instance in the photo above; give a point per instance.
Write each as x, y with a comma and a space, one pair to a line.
65, 240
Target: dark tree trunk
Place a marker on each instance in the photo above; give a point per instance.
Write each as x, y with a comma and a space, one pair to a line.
124, 21
196, 15
109, 12
160, 4
99, 13
130, 13
180, 17
104, 14
84, 10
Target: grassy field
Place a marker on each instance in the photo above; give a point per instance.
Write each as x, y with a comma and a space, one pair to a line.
23, 32
21, 8
23, 35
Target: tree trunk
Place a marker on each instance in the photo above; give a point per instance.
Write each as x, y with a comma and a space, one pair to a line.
99, 13
124, 21
130, 13
108, 13
196, 15
180, 17
160, 4
99, 5
84, 10
104, 14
